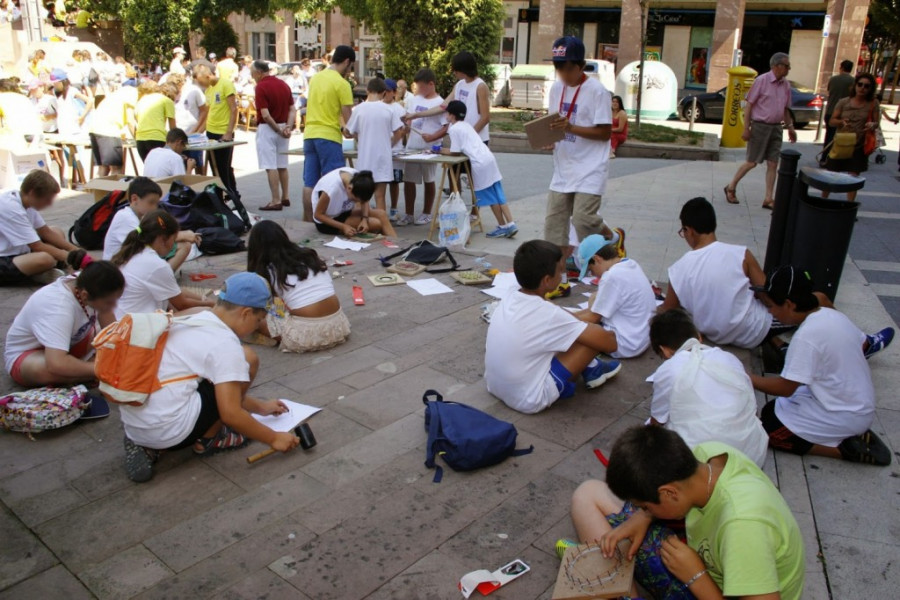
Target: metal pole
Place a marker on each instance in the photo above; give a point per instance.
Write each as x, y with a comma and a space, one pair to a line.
645, 9
787, 175
821, 119
693, 113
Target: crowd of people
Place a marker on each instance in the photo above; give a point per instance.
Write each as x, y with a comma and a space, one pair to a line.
692, 472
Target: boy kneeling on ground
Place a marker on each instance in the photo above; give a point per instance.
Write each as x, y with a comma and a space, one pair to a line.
742, 540
535, 349
209, 412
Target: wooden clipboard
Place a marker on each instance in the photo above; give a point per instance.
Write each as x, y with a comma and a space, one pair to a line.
539, 132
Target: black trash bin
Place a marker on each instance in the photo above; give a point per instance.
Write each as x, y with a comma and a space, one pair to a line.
818, 230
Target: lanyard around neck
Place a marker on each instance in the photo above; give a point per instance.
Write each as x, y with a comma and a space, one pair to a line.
574, 98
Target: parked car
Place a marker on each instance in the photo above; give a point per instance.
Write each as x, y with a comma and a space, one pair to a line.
806, 106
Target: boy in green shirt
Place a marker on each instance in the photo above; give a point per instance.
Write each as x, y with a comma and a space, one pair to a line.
742, 540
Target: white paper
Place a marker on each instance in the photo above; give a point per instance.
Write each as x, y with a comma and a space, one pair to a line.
421, 156
296, 414
429, 287
587, 294
194, 253
574, 309
342, 244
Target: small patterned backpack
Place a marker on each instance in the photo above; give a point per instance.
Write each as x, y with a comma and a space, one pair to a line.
40, 409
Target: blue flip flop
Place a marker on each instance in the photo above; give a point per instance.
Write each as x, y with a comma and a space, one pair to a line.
97, 409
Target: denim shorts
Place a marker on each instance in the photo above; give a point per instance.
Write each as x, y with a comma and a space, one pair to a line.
320, 157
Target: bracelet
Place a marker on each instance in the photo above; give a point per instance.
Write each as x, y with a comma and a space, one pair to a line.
693, 579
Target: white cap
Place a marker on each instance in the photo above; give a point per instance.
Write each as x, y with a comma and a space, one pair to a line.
177, 50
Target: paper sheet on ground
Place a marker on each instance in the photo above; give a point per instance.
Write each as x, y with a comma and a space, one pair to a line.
429, 287
342, 244
504, 284
296, 414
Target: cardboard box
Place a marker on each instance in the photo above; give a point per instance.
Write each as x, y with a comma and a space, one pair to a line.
101, 186
16, 163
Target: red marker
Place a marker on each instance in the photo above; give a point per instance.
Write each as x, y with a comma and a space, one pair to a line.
603, 460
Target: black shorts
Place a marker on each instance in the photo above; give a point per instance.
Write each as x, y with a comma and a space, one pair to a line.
10, 273
209, 414
145, 146
781, 437
106, 150
328, 229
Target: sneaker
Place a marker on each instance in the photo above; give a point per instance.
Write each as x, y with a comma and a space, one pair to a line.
512, 230
866, 448
139, 461
393, 216
879, 341
562, 545
48, 277
404, 221
424, 219
563, 291
598, 373
620, 243
497, 233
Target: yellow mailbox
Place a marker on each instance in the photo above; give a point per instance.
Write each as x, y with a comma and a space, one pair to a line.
739, 81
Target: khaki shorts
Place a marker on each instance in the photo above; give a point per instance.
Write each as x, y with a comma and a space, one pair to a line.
301, 334
583, 210
419, 173
765, 142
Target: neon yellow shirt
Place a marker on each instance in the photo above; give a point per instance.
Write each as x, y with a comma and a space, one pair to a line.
109, 117
226, 69
152, 111
328, 92
746, 535
219, 113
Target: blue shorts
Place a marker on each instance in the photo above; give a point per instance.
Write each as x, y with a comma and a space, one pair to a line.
490, 196
562, 378
649, 570
320, 157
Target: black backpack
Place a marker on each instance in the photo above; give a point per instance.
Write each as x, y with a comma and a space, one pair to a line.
424, 253
90, 229
218, 240
209, 210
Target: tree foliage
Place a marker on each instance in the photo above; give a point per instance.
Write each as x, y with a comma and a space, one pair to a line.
152, 29
219, 35
427, 33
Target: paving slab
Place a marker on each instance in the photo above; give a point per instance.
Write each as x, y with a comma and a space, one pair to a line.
126, 574
24, 555
55, 582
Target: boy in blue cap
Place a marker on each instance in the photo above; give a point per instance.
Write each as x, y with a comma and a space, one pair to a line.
581, 159
211, 412
624, 302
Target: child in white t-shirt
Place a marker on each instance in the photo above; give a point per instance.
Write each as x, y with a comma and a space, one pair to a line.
314, 319
424, 132
29, 248
534, 349
341, 205
825, 398
485, 173
701, 392
212, 411
624, 302
169, 161
144, 195
399, 109
49, 341
376, 128
150, 283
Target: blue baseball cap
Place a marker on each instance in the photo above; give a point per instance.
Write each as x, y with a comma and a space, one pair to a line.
568, 48
590, 246
246, 289
58, 75
390, 84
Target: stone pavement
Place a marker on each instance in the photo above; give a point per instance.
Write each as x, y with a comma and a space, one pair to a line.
358, 516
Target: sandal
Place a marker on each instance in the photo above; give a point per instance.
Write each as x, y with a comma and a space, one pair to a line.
272, 206
769, 205
285, 201
730, 196
225, 439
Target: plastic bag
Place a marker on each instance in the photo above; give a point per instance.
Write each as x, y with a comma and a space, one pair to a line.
453, 219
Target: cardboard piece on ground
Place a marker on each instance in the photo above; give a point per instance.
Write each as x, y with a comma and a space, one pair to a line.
383, 279
539, 132
404, 267
585, 574
197, 183
471, 277
107, 183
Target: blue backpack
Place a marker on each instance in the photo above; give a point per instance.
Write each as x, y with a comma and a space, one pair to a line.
465, 437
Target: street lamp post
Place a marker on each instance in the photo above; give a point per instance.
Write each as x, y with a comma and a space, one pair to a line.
645, 11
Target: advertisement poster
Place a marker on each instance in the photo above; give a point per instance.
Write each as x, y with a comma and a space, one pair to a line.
697, 72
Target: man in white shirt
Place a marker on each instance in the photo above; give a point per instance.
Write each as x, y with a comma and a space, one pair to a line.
28, 246
581, 159
534, 349
169, 161
176, 65
399, 109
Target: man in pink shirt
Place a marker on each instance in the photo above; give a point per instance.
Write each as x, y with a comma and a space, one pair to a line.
768, 104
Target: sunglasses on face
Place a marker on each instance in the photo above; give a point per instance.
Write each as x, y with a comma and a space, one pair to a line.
864, 86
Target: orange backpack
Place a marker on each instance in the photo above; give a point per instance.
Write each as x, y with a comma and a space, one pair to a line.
128, 355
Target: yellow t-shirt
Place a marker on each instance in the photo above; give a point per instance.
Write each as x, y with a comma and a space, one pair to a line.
226, 69
219, 113
109, 116
328, 92
152, 111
